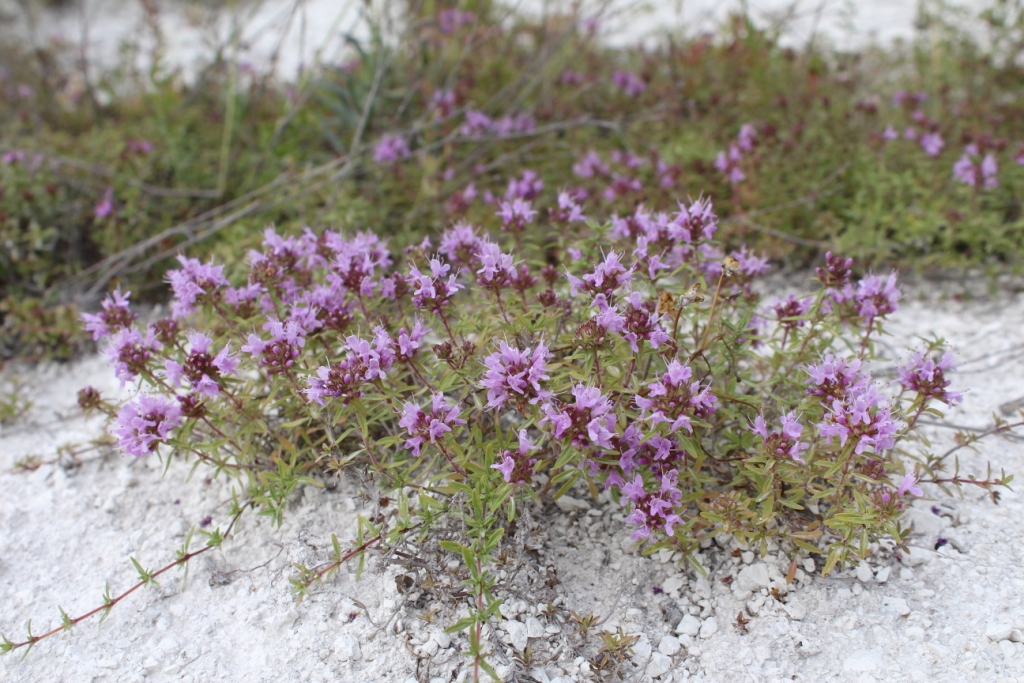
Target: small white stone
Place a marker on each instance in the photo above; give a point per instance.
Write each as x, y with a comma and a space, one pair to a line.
882, 575
753, 578
709, 627
1017, 635
809, 565
906, 574
913, 556
998, 632
747, 557
795, 610
897, 605
429, 648
517, 634
688, 625
672, 583
150, 664
534, 629
568, 504
1008, 649
659, 664
915, 632
864, 573
863, 660
669, 645
642, 651
346, 647
442, 639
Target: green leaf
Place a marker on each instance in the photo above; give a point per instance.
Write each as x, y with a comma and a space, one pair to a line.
65, 620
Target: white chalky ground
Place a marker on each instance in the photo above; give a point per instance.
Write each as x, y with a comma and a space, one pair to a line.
952, 615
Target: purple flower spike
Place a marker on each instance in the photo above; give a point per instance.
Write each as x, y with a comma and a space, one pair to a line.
516, 467
144, 423
430, 426
432, 291
785, 443
608, 276
390, 148
515, 214
729, 164
115, 315
675, 399
927, 377
653, 512
589, 422
195, 281
974, 172
629, 83
516, 375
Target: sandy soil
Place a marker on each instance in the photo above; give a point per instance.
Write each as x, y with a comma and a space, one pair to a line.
954, 614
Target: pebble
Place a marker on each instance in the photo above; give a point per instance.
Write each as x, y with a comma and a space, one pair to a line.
688, 625
659, 664
669, 646
442, 639
863, 660
998, 632
882, 575
672, 584
897, 605
568, 504
709, 627
753, 578
534, 629
864, 573
915, 556
429, 648
346, 647
517, 634
915, 632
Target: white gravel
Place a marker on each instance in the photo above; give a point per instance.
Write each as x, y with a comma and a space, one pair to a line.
955, 614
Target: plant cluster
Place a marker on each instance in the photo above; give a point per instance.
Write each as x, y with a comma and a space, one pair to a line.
809, 150
634, 356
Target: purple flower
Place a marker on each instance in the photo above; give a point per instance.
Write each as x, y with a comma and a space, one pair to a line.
106, 206
653, 512
909, 485
608, 276
516, 214
926, 376
144, 423
642, 323
496, 268
515, 374
365, 362
729, 164
590, 165
460, 244
201, 368
675, 399
835, 378
874, 297
408, 342
889, 134
835, 276
390, 148
589, 421
785, 443
629, 83
746, 138
932, 144
450, 20
791, 312
433, 292
862, 416
528, 187
970, 171
568, 210
131, 352
278, 353
115, 315
430, 426
476, 124
516, 467
193, 283
356, 261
